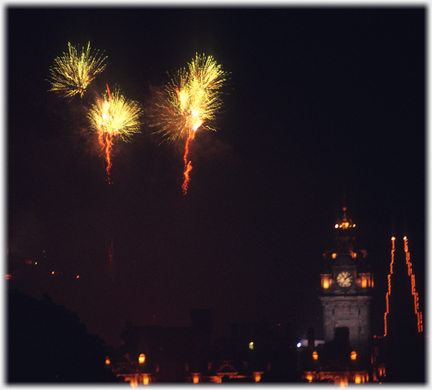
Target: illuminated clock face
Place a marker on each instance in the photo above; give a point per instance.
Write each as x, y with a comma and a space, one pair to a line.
344, 279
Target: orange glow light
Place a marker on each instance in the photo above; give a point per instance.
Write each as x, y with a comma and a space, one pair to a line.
353, 355
315, 355
141, 358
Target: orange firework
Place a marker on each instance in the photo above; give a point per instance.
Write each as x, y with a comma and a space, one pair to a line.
188, 102
113, 117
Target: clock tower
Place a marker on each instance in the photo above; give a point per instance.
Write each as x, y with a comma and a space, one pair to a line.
346, 290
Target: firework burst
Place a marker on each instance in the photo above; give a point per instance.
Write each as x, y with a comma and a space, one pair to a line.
188, 102
112, 117
72, 73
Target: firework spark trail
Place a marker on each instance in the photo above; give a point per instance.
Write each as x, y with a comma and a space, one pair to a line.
188, 164
106, 138
112, 117
189, 101
72, 73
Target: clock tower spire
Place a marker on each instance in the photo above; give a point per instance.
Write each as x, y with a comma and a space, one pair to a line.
346, 288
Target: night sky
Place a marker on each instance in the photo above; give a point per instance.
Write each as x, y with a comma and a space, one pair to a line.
319, 102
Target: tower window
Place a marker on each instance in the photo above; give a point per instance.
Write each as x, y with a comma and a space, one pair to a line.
359, 311
333, 311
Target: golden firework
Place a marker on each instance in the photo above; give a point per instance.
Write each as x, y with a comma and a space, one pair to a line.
72, 73
116, 115
189, 101
113, 116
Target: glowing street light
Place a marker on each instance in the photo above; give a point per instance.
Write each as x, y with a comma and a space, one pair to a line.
142, 377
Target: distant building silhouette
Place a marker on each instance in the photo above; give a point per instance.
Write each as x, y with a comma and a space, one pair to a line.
252, 353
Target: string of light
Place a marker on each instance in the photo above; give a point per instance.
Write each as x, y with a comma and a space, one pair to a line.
414, 293
389, 286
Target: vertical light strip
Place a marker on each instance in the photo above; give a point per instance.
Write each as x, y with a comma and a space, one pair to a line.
414, 293
389, 286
